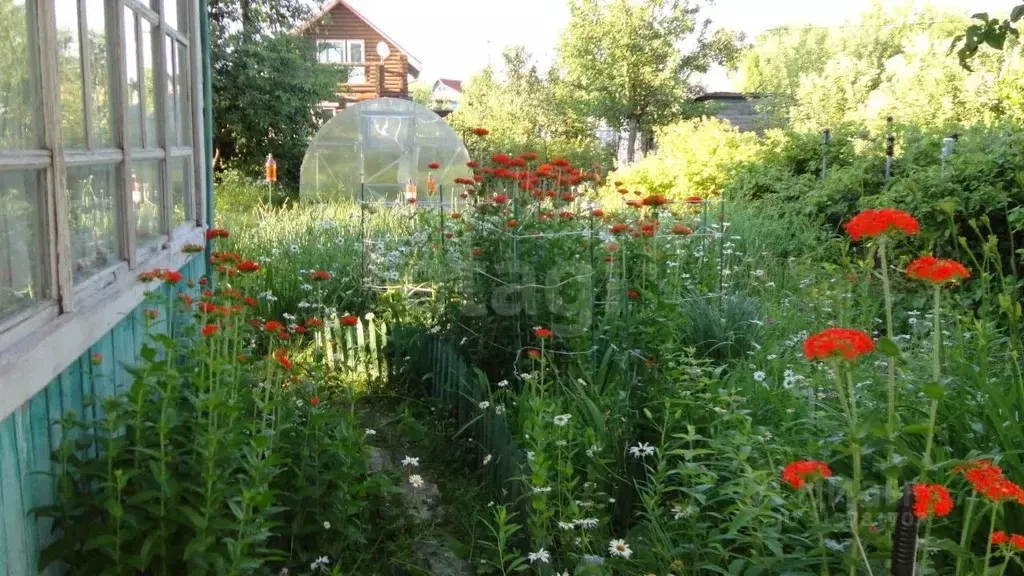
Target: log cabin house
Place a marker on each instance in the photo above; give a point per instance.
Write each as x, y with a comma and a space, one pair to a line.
346, 38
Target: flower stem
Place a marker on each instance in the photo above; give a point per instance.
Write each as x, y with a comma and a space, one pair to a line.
936, 375
968, 516
892, 421
988, 541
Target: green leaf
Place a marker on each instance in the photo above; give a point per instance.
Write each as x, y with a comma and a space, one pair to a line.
934, 390
888, 347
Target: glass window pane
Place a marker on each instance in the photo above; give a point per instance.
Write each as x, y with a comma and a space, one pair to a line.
176, 15
355, 52
69, 65
181, 188
19, 79
170, 97
102, 73
184, 97
148, 198
92, 195
150, 46
131, 45
22, 253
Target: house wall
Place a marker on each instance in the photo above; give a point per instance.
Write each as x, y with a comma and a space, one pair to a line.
33, 431
341, 24
739, 113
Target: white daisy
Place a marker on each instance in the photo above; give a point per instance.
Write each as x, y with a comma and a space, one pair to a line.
587, 523
502, 383
619, 548
487, 460
370, 432
327, 525
410, 461
416, 480
566, 525
499, 409
485, 405
642, 450
562, 419
542, 556
759, 376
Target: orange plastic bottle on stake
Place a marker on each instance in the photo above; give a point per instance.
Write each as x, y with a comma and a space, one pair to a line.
271, 167
431, 184
410, 192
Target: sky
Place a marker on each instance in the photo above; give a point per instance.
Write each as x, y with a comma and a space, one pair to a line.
455, 38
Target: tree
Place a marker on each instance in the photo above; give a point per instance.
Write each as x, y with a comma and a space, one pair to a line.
266, 84
624, 58
987, 31
422, 94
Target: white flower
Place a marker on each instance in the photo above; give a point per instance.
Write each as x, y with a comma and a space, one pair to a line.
320, 563
293, 248
416, 480
370, 316
678, 512
529, 454
642, 450
541, 555
327, 525
463, 341
485, 405
541, 489
562, 419
566, 525
434, 329
619, 548
562, 443
306, 287
487, 460
370, 432
502, 383
611, 500
410, 461
759, 376
581, 382
499, 409
275, 252
587, 523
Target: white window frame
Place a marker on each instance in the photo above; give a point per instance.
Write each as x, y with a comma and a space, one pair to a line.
357, 70
37, 344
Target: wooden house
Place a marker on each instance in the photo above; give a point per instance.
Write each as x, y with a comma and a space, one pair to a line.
346, 38
105, 133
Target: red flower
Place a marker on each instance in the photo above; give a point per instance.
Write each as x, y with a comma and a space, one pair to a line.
503, 159
151, 313
314, 323
172, 276
472, 164
634, 203
620, 228
216, 233
456, 215
281, 356
633, 295
612, 247
531, 156
566, 214
185, 299
999, 537
598, 213
542, 333
655, 200
314, 401
207, 308
512, 223
936, 270
1017, 541
568, 197
273, 326
988, 480
623, 191
681, 230
411, 200
209, 330
500, 199
800, 472
481, 131
695, 200
845, 342
251, 302
320, 276
871, 223
192, 248
648, 229
96, 358
929, 498
349, 320
433, 165
248, 266
533, 352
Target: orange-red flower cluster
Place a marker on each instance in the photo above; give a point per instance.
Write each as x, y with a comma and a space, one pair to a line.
655, 200
845, 342
433, 165
216, 233
281, 355
1000, 538
349, 320
937, 270
209, 330
481, 131
192, 248
542, 333
798, 473
871, 223
533, 352
248, 266
988, 480
681, 230
167, 275
320, 276
931, 498
620, 228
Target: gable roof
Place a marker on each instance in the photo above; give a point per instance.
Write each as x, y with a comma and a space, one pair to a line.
453, 84
414, 63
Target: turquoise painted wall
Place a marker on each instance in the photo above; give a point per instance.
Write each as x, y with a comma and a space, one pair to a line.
30, 434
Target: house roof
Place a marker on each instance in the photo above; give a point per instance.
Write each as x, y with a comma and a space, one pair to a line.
453, 84
726, 96
414, 63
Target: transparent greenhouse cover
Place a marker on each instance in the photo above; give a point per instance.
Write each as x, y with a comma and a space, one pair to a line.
371, 150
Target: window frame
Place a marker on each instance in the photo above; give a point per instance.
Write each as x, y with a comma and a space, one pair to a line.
71, 313
346, 51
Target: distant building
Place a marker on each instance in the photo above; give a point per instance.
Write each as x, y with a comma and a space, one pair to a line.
346, 38
736, 107
447, 94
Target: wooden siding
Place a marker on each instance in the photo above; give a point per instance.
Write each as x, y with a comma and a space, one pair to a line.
31, 433
341, 24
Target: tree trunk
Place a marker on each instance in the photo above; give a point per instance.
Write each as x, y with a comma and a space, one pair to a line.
631, 126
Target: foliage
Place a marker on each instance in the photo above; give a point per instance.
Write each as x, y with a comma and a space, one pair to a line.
235, 450
422, 94
987, 31
263, 112
623, 60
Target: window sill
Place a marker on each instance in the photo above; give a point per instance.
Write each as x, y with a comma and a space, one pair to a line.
37, 350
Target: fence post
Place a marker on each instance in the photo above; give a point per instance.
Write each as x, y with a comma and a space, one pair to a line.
824, 152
